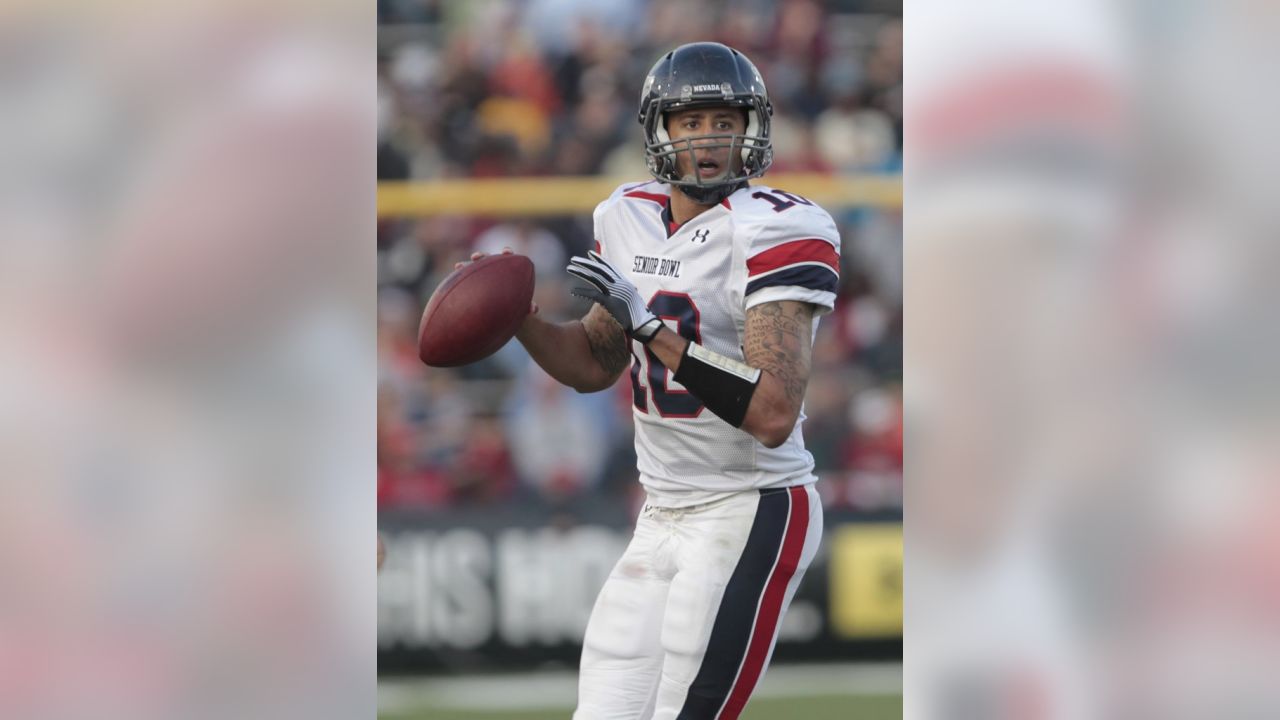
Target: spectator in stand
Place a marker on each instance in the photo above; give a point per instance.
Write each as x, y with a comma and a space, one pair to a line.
559, 441
528, 239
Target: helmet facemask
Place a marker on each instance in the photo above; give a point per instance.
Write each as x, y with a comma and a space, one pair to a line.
749, 154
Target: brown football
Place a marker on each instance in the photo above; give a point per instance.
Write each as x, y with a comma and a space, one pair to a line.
475, 310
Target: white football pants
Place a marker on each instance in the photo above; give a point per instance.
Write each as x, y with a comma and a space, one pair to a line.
686, 623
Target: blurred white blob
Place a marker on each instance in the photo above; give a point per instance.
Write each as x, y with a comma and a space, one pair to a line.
186, 363
1090, 359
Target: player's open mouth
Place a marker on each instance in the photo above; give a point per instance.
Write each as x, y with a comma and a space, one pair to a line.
708, 168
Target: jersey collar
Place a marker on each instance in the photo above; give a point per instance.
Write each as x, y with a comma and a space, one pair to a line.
670, 223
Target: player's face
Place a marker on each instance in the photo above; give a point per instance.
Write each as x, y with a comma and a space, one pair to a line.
707, 162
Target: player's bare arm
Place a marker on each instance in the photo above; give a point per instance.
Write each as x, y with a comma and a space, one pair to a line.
609, 344
583, 354
777, 342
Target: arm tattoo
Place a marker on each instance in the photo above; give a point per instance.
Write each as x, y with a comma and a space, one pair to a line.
608, 342
778, 342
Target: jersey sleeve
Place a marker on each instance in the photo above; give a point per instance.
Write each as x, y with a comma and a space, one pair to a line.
795, 258
599, 241
597, 226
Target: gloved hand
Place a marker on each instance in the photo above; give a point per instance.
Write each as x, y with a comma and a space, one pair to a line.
616, 294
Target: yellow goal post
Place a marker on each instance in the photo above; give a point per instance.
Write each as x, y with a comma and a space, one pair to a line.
544, 196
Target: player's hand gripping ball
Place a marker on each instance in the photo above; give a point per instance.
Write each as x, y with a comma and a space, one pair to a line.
476, 309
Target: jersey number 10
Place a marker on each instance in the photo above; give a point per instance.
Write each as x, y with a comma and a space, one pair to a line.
780, 199
670, 403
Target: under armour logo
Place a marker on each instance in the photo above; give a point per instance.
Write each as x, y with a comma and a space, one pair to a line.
700, 235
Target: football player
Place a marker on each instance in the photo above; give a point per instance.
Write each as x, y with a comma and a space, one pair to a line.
708, 289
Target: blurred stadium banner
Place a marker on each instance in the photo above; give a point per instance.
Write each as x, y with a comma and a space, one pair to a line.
512, 587
541, 196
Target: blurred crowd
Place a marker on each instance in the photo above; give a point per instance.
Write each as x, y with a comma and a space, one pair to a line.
550, 87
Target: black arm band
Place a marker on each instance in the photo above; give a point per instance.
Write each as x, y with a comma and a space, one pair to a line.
723, 384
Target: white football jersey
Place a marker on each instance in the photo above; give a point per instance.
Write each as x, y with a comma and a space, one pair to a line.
759, 245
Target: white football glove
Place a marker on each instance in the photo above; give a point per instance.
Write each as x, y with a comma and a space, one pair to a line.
616, 293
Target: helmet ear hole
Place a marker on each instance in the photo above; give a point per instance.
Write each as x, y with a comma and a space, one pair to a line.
667, 166
753, 128
660, 128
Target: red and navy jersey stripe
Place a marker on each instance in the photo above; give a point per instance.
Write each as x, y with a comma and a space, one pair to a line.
811, 263
664, 203
746, 624
659, 198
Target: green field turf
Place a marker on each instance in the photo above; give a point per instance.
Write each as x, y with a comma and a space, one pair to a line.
829, 707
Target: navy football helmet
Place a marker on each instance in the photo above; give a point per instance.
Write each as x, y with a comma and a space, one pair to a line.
706, 74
